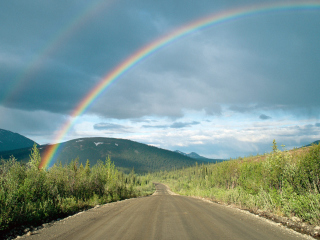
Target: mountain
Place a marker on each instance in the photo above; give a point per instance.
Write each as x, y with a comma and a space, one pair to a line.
198, 157
125, 154
11, 141
315, 142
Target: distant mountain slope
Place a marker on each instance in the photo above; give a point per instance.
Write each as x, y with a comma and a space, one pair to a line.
198, 157
315, 142
125, 154
11, 141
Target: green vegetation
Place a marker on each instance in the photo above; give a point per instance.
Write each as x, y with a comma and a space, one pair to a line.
125, 154
12, 141
285, 183
32, 196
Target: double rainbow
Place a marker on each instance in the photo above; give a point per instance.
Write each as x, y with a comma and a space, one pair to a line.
151, 48
58, 40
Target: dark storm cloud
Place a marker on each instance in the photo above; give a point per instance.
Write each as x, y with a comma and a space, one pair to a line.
90, 52
54, 89
255, 63
30, 123
264, 117
199, 75
52, 54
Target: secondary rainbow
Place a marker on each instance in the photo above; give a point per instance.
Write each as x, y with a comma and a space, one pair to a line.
59, 38
146, 51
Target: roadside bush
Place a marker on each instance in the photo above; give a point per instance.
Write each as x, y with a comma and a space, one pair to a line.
286, 183
29, 195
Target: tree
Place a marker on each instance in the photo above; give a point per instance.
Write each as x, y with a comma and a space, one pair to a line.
87, 168
274, 146
35, 158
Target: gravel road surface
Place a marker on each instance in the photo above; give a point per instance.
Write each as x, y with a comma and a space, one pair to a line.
164, 216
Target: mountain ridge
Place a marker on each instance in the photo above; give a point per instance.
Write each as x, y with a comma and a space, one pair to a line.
12, 141
195, 155
125, 154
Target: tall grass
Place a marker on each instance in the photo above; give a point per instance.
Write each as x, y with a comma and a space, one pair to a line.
286, 183
32, 196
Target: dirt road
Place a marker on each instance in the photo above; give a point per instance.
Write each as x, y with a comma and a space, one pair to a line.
164, 216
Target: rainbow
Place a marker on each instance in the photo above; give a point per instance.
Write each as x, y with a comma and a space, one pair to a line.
130, 62
57, 41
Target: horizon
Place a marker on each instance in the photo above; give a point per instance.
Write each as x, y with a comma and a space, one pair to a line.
283, 147
223, 91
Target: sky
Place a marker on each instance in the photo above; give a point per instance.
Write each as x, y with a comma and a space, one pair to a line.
223, 91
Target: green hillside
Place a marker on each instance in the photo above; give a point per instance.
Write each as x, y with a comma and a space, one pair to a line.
125, 154
11, 141
284, 183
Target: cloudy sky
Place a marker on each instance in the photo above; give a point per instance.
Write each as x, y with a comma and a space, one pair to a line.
223, 91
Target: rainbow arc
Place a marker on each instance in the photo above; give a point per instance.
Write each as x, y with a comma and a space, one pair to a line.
141, 54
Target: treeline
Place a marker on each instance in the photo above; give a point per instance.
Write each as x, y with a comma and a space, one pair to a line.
29, 195
286, 183
126, 154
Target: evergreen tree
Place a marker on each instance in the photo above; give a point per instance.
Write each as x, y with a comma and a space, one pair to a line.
35, 157
87, 168
274, 146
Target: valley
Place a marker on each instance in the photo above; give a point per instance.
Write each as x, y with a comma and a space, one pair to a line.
280, 185
160, 120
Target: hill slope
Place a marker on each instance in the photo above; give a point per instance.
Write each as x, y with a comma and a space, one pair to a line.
125, 154
11, 141
315, 142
